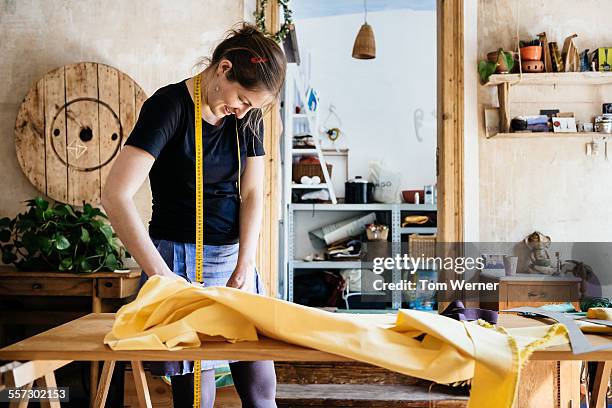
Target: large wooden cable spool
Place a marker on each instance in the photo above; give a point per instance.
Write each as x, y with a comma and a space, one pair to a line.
71, 127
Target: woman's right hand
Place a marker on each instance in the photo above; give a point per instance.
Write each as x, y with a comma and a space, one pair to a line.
168, 273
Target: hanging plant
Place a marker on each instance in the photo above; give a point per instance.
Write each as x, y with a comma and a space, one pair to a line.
60, 238
260, 20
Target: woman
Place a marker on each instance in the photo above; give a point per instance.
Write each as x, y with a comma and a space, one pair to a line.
244, 76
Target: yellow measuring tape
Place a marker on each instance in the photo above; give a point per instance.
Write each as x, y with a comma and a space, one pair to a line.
199, 246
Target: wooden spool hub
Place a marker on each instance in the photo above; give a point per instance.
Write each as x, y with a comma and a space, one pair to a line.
71, 126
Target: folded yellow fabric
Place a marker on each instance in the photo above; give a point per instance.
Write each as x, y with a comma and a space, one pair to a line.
600, 313
171, 314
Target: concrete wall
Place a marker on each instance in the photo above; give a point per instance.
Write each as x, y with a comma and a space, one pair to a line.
538, 184
156, 42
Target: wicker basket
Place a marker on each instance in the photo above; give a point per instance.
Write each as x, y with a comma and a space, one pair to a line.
309, 169
422, 245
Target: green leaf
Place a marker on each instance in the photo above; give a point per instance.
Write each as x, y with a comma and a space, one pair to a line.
5, 235
486, 69
66, 264
30, 242
509, 60
41, 203
70, 210
84, 235
61, 243
108, 233
45, 244
5, 222
111, 262
85, 266
8, 257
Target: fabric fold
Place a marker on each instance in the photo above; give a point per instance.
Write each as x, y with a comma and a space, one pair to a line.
171, 314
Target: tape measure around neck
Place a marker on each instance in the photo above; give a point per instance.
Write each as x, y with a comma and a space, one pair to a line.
199, 245
199, 249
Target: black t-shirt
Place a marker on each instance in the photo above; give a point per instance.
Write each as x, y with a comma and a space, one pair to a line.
165, 129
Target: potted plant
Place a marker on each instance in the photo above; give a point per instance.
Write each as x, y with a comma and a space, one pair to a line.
499, 62
61, 237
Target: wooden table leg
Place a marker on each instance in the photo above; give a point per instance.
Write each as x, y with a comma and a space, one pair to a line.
94, 370
48, 381
23, 401
99, 401
600, 384
142, 390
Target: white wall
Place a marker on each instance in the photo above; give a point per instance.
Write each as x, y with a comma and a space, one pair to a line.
377, 99
543, 184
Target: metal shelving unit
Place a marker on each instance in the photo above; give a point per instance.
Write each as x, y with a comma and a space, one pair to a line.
396, 234
363, 207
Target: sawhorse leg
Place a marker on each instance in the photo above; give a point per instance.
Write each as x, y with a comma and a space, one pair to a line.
140, 380
24, 375
600, 385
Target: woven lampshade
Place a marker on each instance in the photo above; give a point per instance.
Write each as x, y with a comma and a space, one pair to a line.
365, 46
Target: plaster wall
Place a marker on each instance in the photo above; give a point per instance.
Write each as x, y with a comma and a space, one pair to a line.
156, 42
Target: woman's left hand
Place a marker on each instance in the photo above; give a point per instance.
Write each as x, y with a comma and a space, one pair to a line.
241, 278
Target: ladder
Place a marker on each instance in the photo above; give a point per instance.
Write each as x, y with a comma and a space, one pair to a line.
312, 120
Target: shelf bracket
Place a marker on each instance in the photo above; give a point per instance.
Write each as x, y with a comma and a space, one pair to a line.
503, 94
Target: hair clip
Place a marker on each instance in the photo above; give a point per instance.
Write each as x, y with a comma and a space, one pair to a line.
256, 60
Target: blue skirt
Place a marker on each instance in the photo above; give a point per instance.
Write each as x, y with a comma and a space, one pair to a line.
218, 266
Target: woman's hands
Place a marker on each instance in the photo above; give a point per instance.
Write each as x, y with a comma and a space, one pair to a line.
165, 271
242, 277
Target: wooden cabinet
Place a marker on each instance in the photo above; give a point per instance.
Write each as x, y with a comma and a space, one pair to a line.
35, 300
537, 290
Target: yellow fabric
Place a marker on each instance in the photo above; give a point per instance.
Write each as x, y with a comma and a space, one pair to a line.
171, 314
600, 313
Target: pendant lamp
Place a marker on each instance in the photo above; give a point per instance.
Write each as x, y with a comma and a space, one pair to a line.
365, 46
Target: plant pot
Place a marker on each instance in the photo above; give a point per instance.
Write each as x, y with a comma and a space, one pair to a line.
532, 66
502, 67
531, 53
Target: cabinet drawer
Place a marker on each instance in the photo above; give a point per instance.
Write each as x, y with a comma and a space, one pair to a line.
117, 288
28, 286
539, 293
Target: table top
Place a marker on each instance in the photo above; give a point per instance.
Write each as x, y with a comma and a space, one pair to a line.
10, 271
82, 340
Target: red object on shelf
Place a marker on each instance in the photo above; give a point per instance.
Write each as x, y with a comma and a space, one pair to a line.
408, 196
309, 160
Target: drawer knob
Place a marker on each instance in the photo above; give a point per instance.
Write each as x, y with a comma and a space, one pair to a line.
108, 284
36, 286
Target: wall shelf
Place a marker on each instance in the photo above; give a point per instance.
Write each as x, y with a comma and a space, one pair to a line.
503, 82
552, 78
321, 186
418, 230
546, 135
362, 207
303, 151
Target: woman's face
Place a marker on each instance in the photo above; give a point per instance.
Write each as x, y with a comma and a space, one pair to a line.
231, 98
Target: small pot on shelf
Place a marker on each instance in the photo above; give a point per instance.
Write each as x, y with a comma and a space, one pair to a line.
531, 53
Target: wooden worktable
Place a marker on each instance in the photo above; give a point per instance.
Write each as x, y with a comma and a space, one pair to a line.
82, 339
